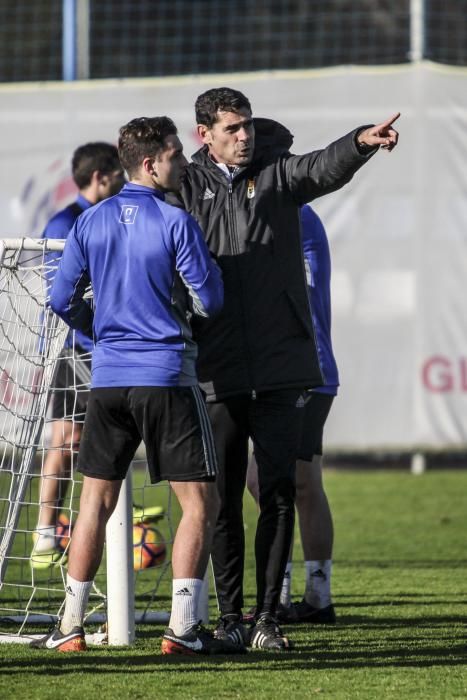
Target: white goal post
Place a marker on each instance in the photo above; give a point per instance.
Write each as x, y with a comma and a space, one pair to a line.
31, 341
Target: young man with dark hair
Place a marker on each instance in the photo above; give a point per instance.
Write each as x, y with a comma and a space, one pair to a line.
149, 268
96, 165
98, 174
245, 189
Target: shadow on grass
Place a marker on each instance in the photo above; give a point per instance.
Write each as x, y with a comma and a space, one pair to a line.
340, 610
405, 563
379, 623
308, 656
389, 597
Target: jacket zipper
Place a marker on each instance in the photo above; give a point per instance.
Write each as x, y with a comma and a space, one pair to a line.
236, 251
234, 237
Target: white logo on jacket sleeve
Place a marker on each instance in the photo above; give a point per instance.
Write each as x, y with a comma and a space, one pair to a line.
128, 214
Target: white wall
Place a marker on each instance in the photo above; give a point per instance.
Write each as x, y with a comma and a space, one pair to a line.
398, 232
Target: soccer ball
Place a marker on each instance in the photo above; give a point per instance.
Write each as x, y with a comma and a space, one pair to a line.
148, 547
63, 532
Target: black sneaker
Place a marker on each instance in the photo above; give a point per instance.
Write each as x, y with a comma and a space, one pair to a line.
198, 641
232, 627
304, 612
266, 634
58, 641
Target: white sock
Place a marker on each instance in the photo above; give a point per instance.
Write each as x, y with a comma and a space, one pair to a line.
318, 583
76, 601
286, 585
44, 538
185, 598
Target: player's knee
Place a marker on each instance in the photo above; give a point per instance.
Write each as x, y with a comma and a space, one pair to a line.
99, 497
277, 495
73, 438
309, 482
205, 505
66, 436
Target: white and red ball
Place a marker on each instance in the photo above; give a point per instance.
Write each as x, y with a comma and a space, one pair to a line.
63, 532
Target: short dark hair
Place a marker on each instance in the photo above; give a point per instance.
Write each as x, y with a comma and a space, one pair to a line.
86, 159
141, 138
216, 100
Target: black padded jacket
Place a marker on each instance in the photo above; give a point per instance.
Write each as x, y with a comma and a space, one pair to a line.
263, 339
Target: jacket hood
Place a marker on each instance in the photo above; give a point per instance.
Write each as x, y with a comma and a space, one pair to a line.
271, 139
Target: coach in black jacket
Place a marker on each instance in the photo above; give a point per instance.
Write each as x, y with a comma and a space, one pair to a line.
255, 358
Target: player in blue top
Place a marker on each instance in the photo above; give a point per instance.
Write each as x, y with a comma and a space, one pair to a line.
149, 268
315, 520
98, 174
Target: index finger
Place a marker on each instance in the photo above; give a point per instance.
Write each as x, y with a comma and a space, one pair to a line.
391, 120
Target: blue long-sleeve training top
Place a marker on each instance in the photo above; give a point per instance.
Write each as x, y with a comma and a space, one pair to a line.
318, 261
149, 267
58, 227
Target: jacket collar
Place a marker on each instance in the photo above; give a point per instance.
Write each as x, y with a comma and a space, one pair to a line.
83, 202
133, 187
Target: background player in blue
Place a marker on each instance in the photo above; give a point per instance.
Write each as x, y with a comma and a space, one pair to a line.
149, 268
97, 173
314, 514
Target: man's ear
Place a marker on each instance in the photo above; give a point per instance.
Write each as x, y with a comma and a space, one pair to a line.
96, 177
204, 133
148, 166
102, 178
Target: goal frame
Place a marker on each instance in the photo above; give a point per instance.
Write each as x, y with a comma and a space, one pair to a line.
120, 596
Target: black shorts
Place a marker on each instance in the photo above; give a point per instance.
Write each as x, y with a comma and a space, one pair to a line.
315, 413
70, 390
172, 421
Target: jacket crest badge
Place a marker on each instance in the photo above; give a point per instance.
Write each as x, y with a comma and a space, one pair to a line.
250, 189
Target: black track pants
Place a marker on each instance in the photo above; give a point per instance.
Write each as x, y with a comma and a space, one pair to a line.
273, 423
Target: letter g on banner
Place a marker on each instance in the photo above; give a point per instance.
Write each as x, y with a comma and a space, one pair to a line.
438, 374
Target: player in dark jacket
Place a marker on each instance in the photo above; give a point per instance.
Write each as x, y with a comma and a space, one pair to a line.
245, 190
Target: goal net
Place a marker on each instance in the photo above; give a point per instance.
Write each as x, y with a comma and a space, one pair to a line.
32, 339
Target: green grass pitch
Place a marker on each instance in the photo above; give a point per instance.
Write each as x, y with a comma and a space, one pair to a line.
400, 589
